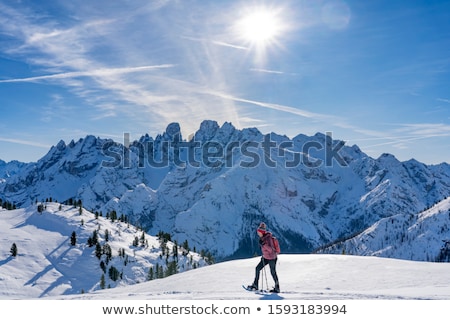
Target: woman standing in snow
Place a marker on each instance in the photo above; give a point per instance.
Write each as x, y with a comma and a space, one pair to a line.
269, 257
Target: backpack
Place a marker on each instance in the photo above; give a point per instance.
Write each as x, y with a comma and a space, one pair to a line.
276, 245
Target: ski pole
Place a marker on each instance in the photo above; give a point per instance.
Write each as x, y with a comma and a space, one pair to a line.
261, 278
265, 276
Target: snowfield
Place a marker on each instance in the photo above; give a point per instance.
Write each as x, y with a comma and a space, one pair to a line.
302, 277
47, 266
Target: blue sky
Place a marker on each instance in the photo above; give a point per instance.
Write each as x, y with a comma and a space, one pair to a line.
374, 73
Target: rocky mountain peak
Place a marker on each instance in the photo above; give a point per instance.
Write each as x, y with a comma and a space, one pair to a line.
214, 200
173, 131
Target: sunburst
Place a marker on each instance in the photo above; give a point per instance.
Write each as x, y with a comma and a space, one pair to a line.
260, 29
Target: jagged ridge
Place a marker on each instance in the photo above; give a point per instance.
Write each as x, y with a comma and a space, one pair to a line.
216, 200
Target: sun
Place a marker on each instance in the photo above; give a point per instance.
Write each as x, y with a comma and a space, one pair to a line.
260, 29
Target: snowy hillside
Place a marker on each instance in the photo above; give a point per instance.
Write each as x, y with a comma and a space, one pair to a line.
302, 277
422, 237
56, 253
214, 188
47, 265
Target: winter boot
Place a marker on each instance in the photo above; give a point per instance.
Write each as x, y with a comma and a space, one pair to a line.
276, 289
252, 287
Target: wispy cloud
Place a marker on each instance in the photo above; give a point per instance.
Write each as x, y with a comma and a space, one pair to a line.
225, 44
105, 72
273, 106
160, 96
147, 68
266, 71
402, 135
425, 130
25, 142
443, 100
216, 42
272, 71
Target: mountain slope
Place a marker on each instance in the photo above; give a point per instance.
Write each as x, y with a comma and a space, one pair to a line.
423, 237
9, 169
302, 277
47, 264
216, 187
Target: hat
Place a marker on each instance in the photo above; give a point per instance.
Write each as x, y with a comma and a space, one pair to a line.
262, 228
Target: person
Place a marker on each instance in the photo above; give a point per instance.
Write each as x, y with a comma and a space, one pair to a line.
269, 257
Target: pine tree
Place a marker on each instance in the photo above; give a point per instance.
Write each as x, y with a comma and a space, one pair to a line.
175, 250
108, 252
172, 268
73, 239
94, 237
114, 274
209, 258
102, 281
186, 246
113, 215
98, 251
142, 240
13, 250
159, 271
151, 274
103, 266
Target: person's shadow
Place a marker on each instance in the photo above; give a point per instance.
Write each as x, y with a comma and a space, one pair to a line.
270, 296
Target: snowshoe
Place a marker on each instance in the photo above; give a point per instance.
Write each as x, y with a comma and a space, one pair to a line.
252, 287
276, 289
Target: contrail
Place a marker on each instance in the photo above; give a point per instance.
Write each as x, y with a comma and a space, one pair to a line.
24, 142
92, 73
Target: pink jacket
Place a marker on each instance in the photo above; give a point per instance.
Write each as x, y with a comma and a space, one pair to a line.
267, 247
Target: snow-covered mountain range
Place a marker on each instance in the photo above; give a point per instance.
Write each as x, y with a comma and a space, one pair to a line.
215, 187
423, 237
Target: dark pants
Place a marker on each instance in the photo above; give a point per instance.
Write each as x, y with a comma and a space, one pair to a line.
273, 271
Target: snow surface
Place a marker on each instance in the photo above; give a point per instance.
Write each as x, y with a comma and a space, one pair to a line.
47, 267
309, 276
